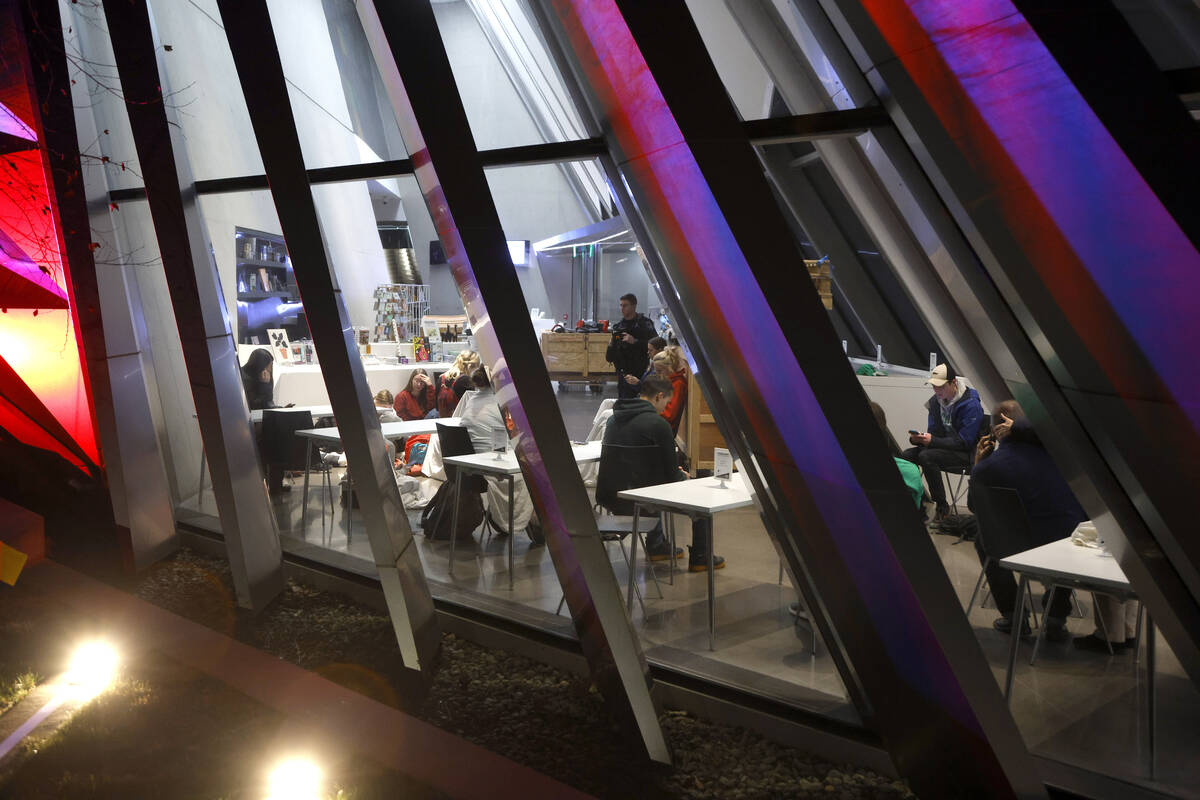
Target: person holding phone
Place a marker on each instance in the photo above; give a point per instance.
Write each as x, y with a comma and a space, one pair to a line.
628, 349
955, 419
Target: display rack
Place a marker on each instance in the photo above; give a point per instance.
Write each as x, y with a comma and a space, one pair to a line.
399, 308
263, 269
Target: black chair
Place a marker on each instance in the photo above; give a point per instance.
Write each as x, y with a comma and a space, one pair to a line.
456, 441
625, 467
283, 451
955, 491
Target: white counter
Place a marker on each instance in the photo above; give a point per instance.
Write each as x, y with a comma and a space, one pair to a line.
304, 385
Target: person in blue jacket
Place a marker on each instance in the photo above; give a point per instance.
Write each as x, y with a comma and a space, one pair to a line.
955, 419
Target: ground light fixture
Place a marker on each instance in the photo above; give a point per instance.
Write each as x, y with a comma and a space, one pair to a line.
295, 779
92, 668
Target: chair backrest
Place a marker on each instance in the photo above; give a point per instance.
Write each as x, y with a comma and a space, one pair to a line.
281, 446
625, 467
455, 441
1003, 521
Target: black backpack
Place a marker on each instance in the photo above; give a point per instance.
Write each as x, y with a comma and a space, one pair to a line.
438, 516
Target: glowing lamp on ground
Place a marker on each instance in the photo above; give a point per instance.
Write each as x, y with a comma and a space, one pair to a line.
295, 779
92, 669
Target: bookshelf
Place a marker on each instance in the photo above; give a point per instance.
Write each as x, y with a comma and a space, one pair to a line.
263, 267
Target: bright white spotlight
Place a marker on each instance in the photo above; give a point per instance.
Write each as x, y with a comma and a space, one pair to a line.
295, 779
93, 667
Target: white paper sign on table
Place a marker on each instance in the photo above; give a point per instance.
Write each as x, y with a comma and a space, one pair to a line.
722, 463
499, 441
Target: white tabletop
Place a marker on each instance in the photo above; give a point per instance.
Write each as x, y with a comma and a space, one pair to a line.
1068, 561
317, 411
391, 430
705, 495
507, 463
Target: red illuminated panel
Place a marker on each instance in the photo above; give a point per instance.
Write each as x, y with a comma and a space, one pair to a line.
40, 344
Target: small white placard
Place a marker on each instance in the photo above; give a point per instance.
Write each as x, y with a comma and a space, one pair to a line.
932, 361
280, 347
722, 463
499, 440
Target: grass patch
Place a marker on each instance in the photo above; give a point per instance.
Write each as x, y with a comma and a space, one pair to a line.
544, 718
162, 730
165, 730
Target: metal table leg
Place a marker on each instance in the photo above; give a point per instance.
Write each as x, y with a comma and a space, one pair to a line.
712, 585
1018, 620
511, 533
633, 543
1042, 628
304, 502
200, 489
1151, 711
458, 473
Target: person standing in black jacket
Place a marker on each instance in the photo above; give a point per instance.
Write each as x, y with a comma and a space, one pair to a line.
627, 350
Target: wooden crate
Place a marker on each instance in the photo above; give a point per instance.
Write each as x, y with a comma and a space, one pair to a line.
597, 363
699, 429
821, 274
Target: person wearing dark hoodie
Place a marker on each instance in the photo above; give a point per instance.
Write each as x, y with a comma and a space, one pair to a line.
637, 422
1011, 456
258, 379
955, 418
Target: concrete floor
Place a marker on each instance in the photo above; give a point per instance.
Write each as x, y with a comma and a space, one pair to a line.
1082, 708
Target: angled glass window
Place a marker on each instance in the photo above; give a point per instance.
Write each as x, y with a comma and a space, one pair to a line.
1077, 703
342, 112
509, 84
202, 86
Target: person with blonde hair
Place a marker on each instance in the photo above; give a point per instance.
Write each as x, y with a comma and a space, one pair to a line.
669, 363
456, 381
383, 406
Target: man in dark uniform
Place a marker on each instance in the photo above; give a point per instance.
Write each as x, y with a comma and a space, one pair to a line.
627, 350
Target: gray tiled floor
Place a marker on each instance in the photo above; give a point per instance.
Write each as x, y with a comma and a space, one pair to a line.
1082, 708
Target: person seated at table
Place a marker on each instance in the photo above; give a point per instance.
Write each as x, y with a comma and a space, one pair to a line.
456, 382
955, 418
909, 472
653, 348
383, 406
637, 422
669, 363
1116, 626
481, 414
1012, 457
418, 400
258, 379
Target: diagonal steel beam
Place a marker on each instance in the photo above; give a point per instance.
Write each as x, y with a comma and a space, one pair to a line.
416, 71
255, 55
209, 351
1098, 343
816, 457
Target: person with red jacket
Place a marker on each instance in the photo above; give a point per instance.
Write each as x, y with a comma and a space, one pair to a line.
670, 364
418, 400
456, 382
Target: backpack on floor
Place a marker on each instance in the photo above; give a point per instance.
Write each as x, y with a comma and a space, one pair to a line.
438, 516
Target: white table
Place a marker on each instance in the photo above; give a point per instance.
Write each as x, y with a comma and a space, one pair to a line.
304, 384
317, 411
501, 465
1070, 566
391, 430
699, 498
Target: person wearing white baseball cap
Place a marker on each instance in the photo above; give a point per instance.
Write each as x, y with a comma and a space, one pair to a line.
955, 418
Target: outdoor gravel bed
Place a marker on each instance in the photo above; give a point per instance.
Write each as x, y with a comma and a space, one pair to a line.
534, 714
